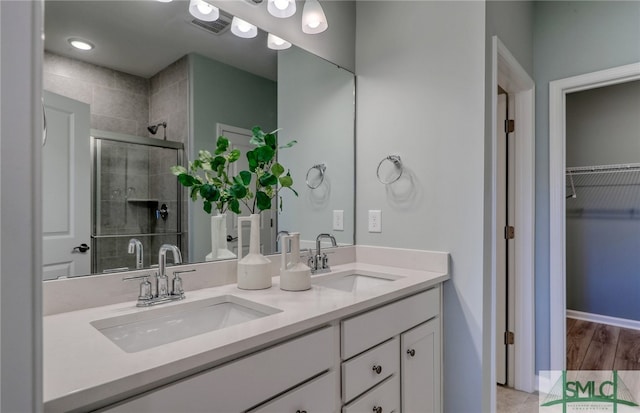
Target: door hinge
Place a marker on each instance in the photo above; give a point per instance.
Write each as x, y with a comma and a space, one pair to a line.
509, 125
509, 232
509, 337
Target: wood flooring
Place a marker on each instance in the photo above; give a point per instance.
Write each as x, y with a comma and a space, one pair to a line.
592, 346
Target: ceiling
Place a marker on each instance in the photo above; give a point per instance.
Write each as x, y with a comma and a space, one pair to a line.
142, 37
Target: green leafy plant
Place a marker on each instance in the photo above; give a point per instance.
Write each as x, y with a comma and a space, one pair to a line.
208, 178
269, 173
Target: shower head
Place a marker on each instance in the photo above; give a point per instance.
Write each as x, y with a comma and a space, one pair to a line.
154, 128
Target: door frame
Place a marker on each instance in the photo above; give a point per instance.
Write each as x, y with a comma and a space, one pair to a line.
511, 76
558, 90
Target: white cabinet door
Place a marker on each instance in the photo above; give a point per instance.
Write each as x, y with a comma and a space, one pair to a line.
420, 368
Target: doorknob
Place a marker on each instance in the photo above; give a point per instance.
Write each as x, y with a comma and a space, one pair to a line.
82, 248
231, 239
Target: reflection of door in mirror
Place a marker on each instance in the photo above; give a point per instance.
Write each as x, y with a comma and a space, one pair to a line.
66, 188
239, 139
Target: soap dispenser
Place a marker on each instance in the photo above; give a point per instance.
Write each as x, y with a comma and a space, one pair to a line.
294, 275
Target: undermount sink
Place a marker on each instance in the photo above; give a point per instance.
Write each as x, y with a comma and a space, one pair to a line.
154, 327
353, 282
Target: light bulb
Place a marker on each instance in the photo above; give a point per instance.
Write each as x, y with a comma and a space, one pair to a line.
243, 29
276, 43
281, 8
204, 11
313, 22
281, 4
204, 7
313, 18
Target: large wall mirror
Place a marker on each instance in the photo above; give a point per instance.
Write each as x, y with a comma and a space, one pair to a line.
157, 87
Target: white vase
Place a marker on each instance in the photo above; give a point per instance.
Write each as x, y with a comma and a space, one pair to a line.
219, 250
253, 269
294, 275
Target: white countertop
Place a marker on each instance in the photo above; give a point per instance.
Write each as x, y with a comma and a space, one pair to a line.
82, 367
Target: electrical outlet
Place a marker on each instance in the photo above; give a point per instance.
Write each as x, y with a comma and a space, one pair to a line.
338, 220
375, 220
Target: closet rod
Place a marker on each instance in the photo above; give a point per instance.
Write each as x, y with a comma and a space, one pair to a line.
603, 169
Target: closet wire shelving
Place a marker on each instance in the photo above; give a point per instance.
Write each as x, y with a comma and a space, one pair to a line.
603, 191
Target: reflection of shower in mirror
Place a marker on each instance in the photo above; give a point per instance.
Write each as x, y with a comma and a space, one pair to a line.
153, 129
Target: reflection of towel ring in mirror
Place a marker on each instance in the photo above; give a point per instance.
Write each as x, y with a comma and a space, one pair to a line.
44, 125
397, 162
321, 169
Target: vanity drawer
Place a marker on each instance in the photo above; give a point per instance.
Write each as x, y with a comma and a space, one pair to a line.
384, 398
370, 368
317, 396
364, 331
244, 383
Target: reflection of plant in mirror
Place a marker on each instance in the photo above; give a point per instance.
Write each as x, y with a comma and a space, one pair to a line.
208, 178
268, 172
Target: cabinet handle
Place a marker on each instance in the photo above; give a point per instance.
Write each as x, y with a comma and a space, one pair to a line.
377, 369
301, 411
411, 352
377, 409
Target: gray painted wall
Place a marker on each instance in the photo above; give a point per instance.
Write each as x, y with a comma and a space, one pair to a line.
222, 94
336, 44
570, 38
316, 107
603, 242
421, 95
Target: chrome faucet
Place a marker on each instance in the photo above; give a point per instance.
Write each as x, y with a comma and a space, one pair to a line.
162, 280
320, 263
163, 293
136, 246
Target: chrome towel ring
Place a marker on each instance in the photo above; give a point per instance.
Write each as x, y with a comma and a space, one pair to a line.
397, 164
321, 167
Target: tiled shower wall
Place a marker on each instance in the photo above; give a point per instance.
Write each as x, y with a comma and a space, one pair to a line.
169, 102
127, 104
119, 101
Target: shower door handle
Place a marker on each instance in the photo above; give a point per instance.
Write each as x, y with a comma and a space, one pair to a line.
82, 248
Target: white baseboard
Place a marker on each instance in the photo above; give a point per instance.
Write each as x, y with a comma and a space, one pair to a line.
604, 319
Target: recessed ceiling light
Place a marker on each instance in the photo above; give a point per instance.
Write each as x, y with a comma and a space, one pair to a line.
80, 44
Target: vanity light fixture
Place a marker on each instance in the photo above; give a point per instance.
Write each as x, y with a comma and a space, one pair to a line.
202, 10
281, 8
276, 43
80, 44
243, 29
313, 19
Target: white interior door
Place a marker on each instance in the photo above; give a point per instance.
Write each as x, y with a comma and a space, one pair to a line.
501, 247
239, 139
66, 197
505, 251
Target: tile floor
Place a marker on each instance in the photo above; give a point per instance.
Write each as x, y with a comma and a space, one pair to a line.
514, 401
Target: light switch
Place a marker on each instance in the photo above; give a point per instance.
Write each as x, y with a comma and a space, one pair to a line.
338, 220
375, 220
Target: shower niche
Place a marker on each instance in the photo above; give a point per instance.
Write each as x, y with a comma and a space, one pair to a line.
135, 195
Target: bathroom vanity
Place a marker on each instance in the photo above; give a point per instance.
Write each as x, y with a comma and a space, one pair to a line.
365, 337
